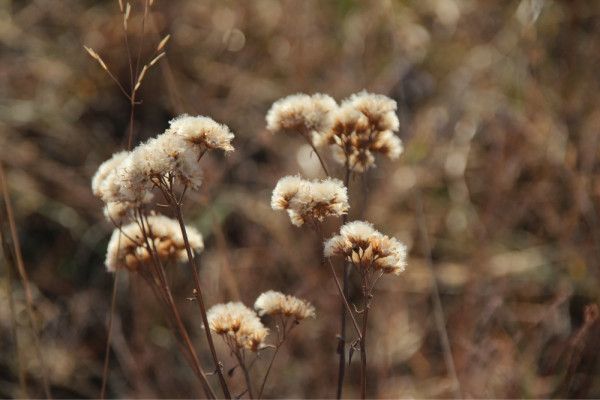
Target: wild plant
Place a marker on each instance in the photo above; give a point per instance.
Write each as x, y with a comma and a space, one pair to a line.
355, 131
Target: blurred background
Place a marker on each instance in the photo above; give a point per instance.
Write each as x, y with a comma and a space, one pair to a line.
496, 194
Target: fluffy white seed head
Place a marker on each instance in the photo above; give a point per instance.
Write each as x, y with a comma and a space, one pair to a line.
239, 326
380, 110
128, 248
202, 132
276, 303
363, 126
366, 248
301, 113
310, 201
103, 184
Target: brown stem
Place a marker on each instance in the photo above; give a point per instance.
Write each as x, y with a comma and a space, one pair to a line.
363, 349
437, 301
345, 295
24, 280
242, 364
168, 297
200, 301
109, 335
345, 300
262, 386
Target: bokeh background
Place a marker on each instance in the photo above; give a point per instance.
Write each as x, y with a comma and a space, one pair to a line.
496, 194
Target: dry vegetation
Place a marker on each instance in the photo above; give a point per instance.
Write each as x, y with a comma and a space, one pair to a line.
496, 195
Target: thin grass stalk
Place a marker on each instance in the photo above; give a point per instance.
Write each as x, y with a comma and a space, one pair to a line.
264, 382
113, 301
173, 307
345, 295
24, 280
363, 343
200, 300
438, 310
242, 363
9, 258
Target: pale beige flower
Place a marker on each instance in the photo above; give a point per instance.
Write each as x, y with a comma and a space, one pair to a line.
301, 113
128, 246
367, 249
310, 201
276, 303
202, 132
103, 185
361, 127
239, 326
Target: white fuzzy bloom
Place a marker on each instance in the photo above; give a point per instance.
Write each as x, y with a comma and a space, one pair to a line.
103, 182
202, 132
312, 201
379, 109
367, 249
276, 303
361, 127
301, 113
128, 248
239, 326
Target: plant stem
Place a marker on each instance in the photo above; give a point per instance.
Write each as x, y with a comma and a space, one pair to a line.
24, 280
200, 300
109, 336
363, 348
242, 363
262, 386
346, 293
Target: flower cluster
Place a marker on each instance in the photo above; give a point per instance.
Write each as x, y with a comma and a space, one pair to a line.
301, 113
362, 126
127, 179
311, 201
276, 303
131, 247
239, 326
367, 249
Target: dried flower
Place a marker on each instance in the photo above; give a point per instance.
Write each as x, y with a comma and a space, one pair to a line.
363, 125
301, 113
128, 247
276, 303
311, 201
367, 249
103, 180
202, 132
239, 326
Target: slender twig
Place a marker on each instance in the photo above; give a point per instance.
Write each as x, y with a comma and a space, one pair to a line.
363, 339
113, 302
10, 264
200, 299
242, 363
440, 319
345, 300
345, 295
262, 386
24, 280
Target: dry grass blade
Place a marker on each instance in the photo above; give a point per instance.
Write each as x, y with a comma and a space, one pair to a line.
163, 42
24, 280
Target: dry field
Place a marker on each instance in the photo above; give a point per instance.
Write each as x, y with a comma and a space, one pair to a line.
495, 198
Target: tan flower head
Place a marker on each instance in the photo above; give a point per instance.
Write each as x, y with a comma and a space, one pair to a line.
276, 303
310, 201
239, 326
202, 132
301, 113
128, 248
361, 127
367, 249
103, 181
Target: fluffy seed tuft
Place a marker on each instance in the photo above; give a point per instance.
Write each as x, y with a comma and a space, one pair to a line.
276, 303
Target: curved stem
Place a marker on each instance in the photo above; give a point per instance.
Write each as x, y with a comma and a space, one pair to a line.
262, 386
109, 335
345, 295
200, 301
